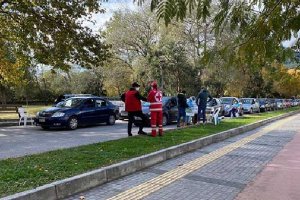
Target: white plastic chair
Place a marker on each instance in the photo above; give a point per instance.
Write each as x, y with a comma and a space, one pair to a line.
24, 117
215, 116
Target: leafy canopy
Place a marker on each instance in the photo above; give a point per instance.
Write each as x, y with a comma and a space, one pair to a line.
261, 24
49, 32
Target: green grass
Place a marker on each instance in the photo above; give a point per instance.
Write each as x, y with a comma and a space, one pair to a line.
19, 174
32, 110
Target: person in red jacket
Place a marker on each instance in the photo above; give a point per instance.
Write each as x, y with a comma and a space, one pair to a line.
133, 106
155, 99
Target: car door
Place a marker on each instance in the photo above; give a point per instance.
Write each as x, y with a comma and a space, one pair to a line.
88, 112
102, 110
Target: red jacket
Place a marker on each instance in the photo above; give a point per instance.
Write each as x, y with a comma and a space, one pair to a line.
133, 101
155, 99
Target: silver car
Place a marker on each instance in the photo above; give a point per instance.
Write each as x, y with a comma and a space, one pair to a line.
250, 105
228, 104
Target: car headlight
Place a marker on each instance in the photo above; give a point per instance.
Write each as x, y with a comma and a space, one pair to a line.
58, 114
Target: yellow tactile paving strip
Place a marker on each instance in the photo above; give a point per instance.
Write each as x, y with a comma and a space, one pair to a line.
169, 177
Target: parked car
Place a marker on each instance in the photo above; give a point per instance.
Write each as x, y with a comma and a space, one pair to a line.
213, 105
279, 103
250, 105
123, 113
272, 103
295, 102
78, 111
170, 111
264, 104
228, 103
120, 105
288, 103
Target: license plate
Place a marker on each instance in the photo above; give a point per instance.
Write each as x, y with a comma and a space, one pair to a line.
42, 119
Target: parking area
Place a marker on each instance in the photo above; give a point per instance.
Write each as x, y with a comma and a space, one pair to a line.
20, 141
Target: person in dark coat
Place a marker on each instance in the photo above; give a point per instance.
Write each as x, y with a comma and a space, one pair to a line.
133, 106
182, 105
202, 99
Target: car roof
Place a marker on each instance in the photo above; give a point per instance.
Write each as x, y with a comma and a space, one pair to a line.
89, 97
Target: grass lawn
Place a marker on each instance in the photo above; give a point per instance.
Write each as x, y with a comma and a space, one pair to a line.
19, 174
32, 110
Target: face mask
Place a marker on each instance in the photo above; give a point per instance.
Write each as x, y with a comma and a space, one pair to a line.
137, 88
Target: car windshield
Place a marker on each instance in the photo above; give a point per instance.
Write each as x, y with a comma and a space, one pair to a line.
226, 100
262, 100
72, 103
247, 101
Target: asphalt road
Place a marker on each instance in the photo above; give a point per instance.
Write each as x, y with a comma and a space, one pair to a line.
20, 141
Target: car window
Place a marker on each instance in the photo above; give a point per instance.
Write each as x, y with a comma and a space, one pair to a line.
212, 103
90, 103
72, 103
226, 100
247, 101
100, 103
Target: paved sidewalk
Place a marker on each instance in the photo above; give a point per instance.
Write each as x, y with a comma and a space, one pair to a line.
280, 179
219, 171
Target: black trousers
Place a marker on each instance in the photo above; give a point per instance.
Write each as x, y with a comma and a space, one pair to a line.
131, 116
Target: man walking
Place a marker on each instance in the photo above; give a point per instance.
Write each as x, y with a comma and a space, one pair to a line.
155, 99
182, 105
133, 106
202, 103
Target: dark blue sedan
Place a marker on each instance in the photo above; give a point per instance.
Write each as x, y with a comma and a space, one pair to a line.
78, 111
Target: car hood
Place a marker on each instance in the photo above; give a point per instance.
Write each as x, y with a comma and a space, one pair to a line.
246, 105
54, 110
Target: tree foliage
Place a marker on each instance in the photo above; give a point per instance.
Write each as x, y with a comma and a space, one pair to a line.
49, 32
261, 24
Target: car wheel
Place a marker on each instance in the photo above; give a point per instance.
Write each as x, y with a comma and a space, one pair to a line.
165, 120
111, 120
73, 123
45, 127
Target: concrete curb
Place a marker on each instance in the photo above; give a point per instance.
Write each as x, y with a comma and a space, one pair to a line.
67, 187
9, 123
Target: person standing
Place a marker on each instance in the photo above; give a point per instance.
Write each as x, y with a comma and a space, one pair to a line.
155, 99
182, 105
202, 103
133, 106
